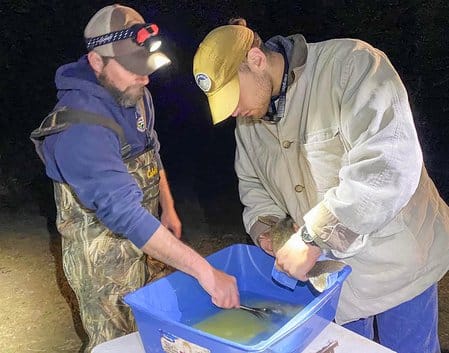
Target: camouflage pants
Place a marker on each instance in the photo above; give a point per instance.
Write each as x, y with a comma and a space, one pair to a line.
101, 273
100, 280
102, 267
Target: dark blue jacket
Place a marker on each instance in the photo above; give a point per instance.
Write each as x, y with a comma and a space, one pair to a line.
87, 157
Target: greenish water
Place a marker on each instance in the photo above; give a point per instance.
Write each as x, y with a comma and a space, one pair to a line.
243, 327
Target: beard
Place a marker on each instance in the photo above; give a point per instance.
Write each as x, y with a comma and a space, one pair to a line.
127, 98
262, 98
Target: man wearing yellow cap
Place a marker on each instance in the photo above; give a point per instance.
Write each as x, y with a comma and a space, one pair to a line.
325, 134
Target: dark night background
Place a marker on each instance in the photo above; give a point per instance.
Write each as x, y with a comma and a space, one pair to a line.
38, 36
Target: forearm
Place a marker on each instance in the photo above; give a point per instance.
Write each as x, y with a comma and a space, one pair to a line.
165, 247
220, 286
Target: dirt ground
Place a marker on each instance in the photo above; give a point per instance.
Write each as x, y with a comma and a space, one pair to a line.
36, 307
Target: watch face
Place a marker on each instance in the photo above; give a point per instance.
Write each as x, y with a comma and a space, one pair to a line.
305, 235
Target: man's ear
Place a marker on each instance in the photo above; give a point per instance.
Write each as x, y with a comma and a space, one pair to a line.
257, 60
95, 61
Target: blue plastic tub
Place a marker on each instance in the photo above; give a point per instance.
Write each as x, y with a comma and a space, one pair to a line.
163, 307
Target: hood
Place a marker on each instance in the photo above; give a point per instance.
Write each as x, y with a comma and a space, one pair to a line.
79, 76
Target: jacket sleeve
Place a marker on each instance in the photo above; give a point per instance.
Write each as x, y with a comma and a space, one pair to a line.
88, 158
383, 162
253, 195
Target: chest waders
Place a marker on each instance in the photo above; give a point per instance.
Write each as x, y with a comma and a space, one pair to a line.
100, 266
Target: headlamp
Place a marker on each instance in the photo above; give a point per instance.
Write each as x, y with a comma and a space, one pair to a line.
143, 34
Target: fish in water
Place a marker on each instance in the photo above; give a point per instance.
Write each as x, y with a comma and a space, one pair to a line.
281, 231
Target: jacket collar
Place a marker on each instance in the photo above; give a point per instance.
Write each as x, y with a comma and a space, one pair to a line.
295, 47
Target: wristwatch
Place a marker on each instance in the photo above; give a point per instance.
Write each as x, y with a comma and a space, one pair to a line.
307, 238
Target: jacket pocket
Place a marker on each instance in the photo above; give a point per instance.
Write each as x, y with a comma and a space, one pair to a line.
323, 153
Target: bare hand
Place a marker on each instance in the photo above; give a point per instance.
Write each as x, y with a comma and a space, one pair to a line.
296, 258
221, 287
171, 221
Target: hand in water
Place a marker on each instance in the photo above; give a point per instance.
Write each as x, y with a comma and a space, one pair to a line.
221, 287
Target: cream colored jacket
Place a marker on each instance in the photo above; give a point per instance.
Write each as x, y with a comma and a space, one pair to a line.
346, 161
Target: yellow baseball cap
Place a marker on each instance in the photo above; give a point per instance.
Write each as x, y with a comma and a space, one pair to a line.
216, 64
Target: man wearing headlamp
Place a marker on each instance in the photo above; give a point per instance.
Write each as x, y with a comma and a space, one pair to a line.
102, 152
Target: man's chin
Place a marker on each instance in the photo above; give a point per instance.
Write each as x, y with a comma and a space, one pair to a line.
129, 101
130, 97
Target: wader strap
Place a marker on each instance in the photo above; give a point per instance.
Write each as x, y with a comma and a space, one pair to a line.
63, 118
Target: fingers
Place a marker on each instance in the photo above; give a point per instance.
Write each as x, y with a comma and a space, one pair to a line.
223, 290
175, 229
228, 300
296, 258
171, 221
291, 270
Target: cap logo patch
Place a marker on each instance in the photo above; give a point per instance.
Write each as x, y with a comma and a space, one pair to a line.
203, 81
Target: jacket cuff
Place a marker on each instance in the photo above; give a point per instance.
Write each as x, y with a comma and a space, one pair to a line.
326, 229
143, 230
259, 228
